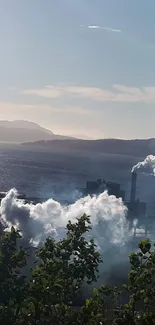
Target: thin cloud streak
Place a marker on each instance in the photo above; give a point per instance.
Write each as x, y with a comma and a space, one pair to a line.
119, 93
53, 93
108, 29
10, 108
94, 27
114, 30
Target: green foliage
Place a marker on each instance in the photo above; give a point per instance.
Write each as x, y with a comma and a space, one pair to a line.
46, 297
12, 283
63, 268
54, 283
139, 291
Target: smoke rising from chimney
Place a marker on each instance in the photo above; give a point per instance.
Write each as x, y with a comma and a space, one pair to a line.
37, 222
110, 228
147, 165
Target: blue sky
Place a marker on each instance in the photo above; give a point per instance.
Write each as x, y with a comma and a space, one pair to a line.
79, 67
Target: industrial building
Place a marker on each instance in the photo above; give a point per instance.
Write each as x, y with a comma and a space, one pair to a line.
99, 186
137, 210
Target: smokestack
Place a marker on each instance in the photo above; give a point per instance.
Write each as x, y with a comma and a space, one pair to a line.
133, 187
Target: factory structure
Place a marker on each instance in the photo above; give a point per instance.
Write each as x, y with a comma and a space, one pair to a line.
137, 210
138, 214
100, 186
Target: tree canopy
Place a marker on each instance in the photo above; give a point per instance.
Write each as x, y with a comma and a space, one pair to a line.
47, 294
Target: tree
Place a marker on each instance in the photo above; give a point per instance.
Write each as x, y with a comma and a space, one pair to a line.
12, 283
139, 292
47, 296
63, 268
49, 292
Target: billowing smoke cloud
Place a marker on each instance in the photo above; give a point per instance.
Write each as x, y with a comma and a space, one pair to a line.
37, 222
147, 166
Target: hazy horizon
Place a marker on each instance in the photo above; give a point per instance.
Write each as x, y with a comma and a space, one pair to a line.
74, 136
79, 68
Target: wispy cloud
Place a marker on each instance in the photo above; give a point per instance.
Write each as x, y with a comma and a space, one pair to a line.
17, 110
114, 30
119, 93
94, 27
108, 29
49, 91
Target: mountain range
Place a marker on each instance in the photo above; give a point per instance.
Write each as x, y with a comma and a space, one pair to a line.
25, 131
135, 148
31, 134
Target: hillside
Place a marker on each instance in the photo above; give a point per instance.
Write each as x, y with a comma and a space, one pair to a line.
134, 148
25, 131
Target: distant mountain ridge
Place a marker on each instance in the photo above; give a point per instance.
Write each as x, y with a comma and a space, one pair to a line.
135, 148
32, 134
24, 131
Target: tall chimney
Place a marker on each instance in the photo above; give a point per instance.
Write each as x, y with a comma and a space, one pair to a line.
133, 187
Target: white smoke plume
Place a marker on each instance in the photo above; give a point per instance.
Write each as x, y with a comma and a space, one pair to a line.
147, 165
37, 222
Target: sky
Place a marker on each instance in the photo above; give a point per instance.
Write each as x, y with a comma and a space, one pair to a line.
84, 68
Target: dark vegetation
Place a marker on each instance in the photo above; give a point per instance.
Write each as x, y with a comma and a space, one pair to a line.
47, 295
